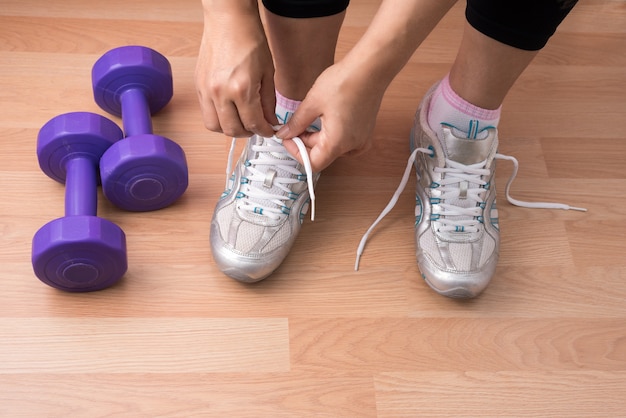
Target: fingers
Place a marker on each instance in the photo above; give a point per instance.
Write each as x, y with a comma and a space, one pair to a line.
321, 156
319, 147
299, 121
321, 153
268, 101
325, 146
249, 119
296, 126
293, 150
240, 117
238, 100
237, 121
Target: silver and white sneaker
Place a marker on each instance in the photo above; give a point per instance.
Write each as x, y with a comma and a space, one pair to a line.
258, 217
456, 218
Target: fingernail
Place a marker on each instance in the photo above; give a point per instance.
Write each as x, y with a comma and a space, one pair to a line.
282, 132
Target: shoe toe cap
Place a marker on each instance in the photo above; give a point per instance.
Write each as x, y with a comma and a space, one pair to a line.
246, 268
456, 284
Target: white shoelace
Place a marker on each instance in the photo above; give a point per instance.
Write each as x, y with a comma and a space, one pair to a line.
272, 154
468, 177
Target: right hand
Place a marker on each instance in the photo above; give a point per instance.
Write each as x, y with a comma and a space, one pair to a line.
347, 101
235, 72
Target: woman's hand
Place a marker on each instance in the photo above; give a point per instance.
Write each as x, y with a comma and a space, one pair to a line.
347, 103
235, 73
347, 96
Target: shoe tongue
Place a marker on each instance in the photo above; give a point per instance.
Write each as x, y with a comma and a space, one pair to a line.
271, 171
466, 150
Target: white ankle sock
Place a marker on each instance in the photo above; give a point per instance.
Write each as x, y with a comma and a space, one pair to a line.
286, 107
467, 120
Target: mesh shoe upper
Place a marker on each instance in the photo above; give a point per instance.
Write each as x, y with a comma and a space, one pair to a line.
260, 213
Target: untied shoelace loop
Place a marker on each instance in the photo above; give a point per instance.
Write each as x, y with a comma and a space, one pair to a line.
459, 170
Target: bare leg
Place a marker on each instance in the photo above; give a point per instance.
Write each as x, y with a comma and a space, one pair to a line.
485, 70
302, 49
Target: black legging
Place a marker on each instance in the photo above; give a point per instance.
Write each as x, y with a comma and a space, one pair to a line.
523, 24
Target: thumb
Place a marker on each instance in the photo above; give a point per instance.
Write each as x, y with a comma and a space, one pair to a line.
302, 118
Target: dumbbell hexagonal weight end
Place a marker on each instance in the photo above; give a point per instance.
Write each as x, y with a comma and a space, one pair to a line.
79, 252
132, 67
147, 172
77, 134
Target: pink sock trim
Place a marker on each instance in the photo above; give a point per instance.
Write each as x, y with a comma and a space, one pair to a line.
286, 103
463, 105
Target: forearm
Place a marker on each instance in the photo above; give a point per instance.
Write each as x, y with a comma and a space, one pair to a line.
231, 29
396, 31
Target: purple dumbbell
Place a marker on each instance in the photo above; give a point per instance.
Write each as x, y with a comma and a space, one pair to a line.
144, 171
79, 252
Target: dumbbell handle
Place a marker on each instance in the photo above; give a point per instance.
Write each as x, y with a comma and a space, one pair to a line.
135, 113
81, 196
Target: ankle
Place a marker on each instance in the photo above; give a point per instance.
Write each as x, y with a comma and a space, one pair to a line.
286, 107
468, 120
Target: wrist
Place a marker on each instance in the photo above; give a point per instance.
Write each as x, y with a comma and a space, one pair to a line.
237, 22
230, 6
221, 13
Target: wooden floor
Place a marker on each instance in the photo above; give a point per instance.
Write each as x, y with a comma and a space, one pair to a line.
176, 338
